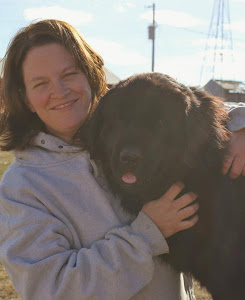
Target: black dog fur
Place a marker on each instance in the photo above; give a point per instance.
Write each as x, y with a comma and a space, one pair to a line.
164, 132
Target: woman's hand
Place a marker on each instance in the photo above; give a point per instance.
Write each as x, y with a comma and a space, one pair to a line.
169, 214
236, 158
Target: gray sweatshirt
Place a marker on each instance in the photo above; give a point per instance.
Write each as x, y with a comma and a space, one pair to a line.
64, 235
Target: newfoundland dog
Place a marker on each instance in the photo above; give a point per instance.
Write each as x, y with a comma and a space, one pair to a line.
150, 132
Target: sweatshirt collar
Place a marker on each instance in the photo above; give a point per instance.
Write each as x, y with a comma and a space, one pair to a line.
53, 143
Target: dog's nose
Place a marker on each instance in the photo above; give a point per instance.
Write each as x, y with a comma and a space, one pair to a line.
130, 157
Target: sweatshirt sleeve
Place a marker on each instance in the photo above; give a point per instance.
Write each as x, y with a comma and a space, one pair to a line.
37, 251
237, 116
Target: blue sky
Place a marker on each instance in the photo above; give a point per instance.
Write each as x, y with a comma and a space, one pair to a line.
117, 29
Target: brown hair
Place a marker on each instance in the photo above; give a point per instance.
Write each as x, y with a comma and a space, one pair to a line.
18, 125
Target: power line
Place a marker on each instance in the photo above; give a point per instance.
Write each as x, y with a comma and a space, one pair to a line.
199, 32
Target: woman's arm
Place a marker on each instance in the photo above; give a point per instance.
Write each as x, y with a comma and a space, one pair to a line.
40, 258
235, 161
45, 258
38, 249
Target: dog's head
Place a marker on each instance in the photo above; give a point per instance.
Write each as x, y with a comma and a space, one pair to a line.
150, 130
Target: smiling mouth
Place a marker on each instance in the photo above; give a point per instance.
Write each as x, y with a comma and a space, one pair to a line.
67, 104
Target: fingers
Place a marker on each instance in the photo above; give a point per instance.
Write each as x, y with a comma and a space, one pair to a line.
169, 214
173, 191
184, 200
227, 163
237, 167
188, 211
235, 161
188, 223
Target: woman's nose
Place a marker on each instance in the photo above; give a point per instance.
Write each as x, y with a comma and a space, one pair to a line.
59, 89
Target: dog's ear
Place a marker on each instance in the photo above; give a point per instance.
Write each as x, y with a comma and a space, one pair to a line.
91, 130
204, 128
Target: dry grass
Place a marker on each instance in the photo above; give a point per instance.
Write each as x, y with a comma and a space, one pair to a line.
201, 293
7, 291
5, 160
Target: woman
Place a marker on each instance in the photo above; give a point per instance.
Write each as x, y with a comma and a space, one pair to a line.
63, 234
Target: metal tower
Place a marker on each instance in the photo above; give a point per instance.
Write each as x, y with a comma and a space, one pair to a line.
218, 54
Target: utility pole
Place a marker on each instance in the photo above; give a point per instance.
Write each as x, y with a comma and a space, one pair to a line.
151, 32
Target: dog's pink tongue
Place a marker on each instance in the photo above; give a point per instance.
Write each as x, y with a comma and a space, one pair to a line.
129, 178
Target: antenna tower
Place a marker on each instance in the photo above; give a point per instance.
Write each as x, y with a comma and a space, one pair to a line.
218, 54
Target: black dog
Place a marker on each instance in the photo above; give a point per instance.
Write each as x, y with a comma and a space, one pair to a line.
150, 132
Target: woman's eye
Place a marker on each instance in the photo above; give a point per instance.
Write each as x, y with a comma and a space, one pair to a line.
40, 84
70, 74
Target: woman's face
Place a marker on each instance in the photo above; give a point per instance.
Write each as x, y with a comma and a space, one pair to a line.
56, 89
